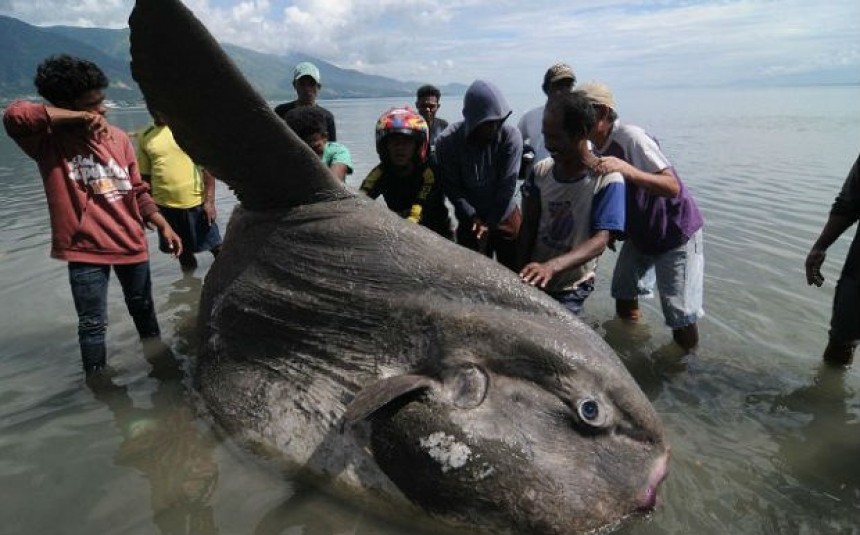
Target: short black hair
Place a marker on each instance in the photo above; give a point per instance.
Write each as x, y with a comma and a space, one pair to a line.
578, 116
429, 91
62, 78
306, 121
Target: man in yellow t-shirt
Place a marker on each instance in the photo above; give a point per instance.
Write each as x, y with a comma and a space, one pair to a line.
183, 191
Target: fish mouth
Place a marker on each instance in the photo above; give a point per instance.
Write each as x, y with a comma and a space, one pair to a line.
648, 500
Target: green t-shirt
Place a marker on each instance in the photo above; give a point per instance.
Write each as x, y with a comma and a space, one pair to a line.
337, 153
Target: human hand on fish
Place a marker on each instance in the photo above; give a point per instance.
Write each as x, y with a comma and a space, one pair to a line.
537, 274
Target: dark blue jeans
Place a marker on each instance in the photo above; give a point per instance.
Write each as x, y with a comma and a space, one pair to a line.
573, 300
89, 284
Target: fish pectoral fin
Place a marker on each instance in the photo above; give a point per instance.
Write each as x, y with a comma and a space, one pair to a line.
377, 395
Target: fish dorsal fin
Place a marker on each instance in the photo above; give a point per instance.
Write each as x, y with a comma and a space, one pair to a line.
215, 114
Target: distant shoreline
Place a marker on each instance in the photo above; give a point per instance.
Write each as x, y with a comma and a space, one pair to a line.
122, 104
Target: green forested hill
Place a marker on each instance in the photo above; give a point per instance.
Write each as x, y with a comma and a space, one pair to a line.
24, 46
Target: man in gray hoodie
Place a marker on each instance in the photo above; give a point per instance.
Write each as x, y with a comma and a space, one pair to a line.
479, 159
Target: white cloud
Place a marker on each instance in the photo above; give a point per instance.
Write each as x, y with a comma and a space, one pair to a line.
90, 13
624, 42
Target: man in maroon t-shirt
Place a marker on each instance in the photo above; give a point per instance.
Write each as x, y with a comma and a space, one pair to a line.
96, 198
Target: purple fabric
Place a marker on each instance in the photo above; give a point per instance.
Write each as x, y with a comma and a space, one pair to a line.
655, 224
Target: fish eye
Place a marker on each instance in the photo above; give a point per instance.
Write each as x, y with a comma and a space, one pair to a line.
589, 410
466, 386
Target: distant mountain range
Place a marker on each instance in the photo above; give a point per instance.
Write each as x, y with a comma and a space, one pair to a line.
24, 46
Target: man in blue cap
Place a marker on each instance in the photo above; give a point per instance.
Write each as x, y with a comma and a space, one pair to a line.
306, 81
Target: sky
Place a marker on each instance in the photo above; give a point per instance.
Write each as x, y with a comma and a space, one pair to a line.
625, 43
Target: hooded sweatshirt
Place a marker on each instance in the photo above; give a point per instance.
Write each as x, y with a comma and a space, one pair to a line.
96, 197
480, 178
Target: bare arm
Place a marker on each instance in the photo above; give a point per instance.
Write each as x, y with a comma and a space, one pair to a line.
663, 183
339, 170
209, 196
528, 230
95, 123
539, 274
835, 226
843, 214
174, 243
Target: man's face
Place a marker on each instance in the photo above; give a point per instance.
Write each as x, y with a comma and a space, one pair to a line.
561, 146
602, 125
427, 107
401, 149
486, 132
92, 101
317, 143
307, 89
565, 85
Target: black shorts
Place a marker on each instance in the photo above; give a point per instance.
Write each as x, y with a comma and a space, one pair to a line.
192, 227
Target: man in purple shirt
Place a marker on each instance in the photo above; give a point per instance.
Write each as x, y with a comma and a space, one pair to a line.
663, 225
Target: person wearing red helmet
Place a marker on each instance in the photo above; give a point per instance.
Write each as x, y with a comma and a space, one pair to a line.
404, 178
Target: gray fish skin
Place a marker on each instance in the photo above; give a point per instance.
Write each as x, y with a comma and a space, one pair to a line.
394, 366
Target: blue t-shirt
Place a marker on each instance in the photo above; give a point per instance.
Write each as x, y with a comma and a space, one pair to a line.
655, 224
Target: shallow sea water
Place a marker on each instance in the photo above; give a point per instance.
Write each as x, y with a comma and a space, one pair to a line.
764, 439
